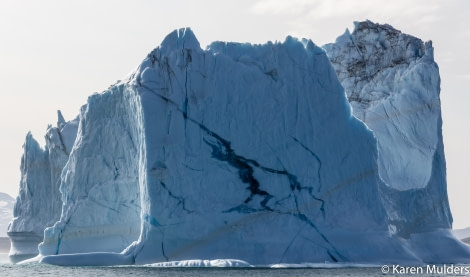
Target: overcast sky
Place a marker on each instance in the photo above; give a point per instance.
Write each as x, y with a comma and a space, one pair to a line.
55, 53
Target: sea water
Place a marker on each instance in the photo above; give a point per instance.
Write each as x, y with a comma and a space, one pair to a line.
37, 269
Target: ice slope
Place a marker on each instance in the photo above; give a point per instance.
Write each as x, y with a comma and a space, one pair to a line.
247, 152
393, 85
39, 204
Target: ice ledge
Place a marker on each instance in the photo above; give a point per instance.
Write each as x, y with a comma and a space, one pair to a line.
23, 245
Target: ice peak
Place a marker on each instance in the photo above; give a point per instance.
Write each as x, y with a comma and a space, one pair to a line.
372, 37
29, 136
60, 119
367, 24
183, 38
30, 141
345, 37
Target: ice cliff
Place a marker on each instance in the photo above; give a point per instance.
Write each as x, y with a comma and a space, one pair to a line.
252, 152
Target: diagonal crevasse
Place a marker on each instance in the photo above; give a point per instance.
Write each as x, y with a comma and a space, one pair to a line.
295, 185
315, 156
332, 251
62, 142
223, 151
180, 199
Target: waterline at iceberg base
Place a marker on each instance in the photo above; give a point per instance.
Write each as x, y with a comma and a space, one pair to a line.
281, 153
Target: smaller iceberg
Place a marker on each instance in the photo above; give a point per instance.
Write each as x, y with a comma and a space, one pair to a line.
39, 203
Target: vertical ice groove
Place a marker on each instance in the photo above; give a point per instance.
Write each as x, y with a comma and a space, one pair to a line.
163, 252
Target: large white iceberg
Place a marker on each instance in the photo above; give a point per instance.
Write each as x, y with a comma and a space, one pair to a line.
252, 152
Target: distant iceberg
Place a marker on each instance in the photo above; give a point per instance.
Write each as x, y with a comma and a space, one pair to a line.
247, 154
6, 212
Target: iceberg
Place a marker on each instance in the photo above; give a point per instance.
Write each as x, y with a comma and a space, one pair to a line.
280, 153
393, 85
6, 212
39, 204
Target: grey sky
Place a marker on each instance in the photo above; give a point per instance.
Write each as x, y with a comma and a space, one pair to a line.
55, 53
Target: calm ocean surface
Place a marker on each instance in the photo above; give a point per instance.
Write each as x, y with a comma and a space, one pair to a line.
34, 269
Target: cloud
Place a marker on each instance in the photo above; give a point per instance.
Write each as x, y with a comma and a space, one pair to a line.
324, 20
278, 7
320, 9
